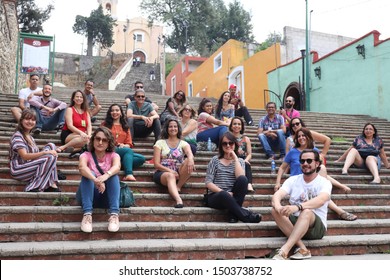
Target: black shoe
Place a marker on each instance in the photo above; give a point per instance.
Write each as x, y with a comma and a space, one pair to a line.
233, 220
179, 205
61, 175
75, 155
59, 127
254, 218
93, 119
37, 131
34, 190
53, 189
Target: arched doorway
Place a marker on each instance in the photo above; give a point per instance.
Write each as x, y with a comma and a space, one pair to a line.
293, 90
141, 55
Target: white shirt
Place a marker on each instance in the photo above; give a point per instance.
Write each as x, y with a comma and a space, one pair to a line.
25, 92
300, 191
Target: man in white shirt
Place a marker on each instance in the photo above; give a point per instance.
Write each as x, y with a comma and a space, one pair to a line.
305, 216
25, 94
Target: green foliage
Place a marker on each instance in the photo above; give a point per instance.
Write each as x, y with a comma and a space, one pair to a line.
31, 17
62, 200
272, 38
200, 26
339, 139
98, 28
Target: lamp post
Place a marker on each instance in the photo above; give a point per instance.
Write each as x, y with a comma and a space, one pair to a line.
134, 38
307, 84
303, 79
124, 33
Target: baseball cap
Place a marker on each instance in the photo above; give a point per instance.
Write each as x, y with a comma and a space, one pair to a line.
232, 86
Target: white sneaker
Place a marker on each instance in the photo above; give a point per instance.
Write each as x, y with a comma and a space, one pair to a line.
86, 223
300, 254
113, 223
280, 255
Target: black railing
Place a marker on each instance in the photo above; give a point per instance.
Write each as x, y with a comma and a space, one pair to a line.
274, 93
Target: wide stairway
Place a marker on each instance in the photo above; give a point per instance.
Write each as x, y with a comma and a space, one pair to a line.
47, 225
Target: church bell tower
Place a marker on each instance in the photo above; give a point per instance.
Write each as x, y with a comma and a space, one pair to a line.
109, 7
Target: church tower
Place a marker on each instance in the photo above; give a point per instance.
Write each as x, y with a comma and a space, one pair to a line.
109, 7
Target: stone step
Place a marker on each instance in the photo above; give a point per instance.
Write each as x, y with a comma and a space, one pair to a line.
185, 249
27, 232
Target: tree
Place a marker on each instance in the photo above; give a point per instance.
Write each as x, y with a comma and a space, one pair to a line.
30, 17
98, 28
198, 24
271, 39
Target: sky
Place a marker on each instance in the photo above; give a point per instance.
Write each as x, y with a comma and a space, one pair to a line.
351, 18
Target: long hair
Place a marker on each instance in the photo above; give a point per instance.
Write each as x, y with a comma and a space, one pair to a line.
108, 134
84, 105
373, 126
164, 131
27, 114
201, 105
193, 113
242, 124
309, 138
219, 106
291, 127
108, 121
230, 137
183, 98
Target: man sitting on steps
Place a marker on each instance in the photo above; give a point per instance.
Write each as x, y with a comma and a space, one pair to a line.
305, 217
92, 100
130, 97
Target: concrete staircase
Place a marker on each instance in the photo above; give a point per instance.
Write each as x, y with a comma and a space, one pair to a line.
141, 73
47, 225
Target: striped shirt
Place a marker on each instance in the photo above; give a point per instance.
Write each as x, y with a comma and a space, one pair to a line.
221, 175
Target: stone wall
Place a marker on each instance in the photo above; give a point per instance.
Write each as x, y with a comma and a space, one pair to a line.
8, 45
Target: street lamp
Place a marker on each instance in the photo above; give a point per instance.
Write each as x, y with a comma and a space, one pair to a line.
303, 79
124, 32
134, 38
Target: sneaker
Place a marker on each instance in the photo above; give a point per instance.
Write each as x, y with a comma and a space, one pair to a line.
113, 223
300, 254
280, 255
86, 223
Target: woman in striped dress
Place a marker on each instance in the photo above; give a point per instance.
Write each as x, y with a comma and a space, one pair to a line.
29, 164
226, 182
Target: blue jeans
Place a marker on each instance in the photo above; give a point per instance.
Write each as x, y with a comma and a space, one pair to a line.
49, 123
214, 133
269, 144
89, 197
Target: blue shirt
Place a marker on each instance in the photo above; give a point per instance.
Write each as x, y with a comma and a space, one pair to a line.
292, 158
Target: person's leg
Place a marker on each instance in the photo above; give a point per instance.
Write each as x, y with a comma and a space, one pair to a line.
372, 166
138, 160
266, 146
130, 122
240, 189
184, 175
113, 192
281, 142
39, 122
156, 129
243, 111
168, 180
212, 133
248, 174
86, 195
353, 157
126, 155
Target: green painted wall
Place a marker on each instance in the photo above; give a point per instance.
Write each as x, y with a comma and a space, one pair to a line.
349, 84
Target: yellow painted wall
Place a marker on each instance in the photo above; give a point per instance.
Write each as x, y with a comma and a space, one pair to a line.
207, 83
255, 75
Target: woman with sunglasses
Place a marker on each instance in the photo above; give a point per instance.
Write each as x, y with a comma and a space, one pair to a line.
173, 160
115, 120
226, 182
27, 163
99, 186
303, 139
224, 110
173, 106
187, 116
367, 151
208, 126
237, 127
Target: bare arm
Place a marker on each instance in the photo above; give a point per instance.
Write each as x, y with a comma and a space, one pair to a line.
192, 124
322, 138
281, 171
215, 121
383, 157
32, 156
248, 149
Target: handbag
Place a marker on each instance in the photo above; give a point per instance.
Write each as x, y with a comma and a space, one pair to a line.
126, 196
370, 151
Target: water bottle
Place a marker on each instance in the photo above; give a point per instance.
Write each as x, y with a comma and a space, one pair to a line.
273, 167
209, 146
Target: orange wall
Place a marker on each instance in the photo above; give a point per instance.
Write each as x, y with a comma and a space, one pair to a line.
255, 75
207, 83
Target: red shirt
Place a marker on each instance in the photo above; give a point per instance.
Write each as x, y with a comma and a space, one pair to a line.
80, 121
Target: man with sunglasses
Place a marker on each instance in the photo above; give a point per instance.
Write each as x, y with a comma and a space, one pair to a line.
271, 132
142, 118
305, 216
93, 102
288, 113
130, 97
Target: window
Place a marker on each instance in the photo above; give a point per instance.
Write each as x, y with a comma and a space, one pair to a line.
139, 38
218, 62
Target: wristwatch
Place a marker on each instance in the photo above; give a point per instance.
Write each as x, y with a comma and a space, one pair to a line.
109, 173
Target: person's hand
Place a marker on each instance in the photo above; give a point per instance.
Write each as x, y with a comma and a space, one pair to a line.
247, 161
190, 166
277, 187
51, 152
85, 136
282, 112
288, 210
101, 187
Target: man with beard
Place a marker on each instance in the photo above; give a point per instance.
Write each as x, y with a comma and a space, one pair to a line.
93, 102
50, 111
288, 113
305, 216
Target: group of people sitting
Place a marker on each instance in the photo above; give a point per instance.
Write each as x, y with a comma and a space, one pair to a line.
177, 130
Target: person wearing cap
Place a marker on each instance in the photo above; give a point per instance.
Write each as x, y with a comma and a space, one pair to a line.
240, 110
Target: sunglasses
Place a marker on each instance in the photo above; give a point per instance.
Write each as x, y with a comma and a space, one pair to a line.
308, 160
104, 140
225, 144
140, 96
137, 87
296, 124
288, 101
187, 110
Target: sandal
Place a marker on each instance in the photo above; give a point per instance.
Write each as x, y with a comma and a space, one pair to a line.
347, 216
